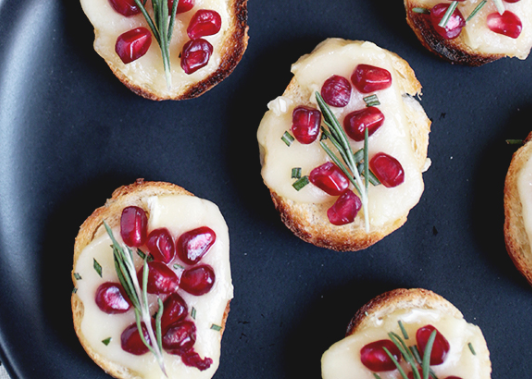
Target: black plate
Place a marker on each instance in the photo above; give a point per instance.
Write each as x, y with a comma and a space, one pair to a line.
70, 133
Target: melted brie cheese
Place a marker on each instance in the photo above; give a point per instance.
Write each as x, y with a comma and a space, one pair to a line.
524, 188
342, 360
340, 57
478, 36
148, 71
178, 213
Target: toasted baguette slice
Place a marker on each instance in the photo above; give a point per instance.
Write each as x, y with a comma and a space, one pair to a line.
161, 201
146, 75
517, 209
304, 212
477, 44
468, 356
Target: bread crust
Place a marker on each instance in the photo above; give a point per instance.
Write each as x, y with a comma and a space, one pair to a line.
309, 221
515, 235
453, 50
122, 197
231, 51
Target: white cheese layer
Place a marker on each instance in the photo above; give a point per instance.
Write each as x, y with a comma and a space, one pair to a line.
342, 360
340, 57
178, 213
524, 188
478, 36
148, 71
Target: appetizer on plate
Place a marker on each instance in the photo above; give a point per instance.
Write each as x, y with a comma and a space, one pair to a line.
153, 258
421, 331
343, 149
518, 209
165, 49
472, 32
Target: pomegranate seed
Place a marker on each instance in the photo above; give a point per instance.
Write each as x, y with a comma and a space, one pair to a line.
329, 178
355, 123
125, 7
454, 377
192, 359
512, 1
174, 310
131, 342
182, 7
180, 337
440, 348
375, 358
111, 298
194, 244
367, 78
195, 55
507, 24
344, 209
133, 226
454, 25
133, 44
161, 279
336, 91
161, 245
205, 22
198, 280
306, 123
387, 169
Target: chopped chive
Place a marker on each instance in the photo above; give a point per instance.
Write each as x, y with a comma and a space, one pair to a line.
287, 138
77, 276
300, 183
477, 8
421, 10
296, 173
376, 375
372, 101
403, 330
74, 290
193, 313
177, 266
514, 141
445, 19
107, 341
216, 327
97, 267
470, 345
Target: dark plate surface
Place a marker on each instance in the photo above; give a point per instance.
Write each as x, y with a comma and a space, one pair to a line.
70, 133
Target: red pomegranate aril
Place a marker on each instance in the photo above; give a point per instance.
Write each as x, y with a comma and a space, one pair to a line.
131, 341
125, 7
161, 245
367, 78
133, 44
198, 280
194, 244
508, 24
336, 91
387, 169
174, 310
306, 123
161, 279
344, 209
375, 358
454, 25
111, 298
192, 359
512, 1
440, 348
452, 377
195, 55
182, 7
205, 22
179, 337
355, 123
329, 178
133, 226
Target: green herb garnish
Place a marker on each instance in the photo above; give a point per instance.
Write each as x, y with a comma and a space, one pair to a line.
77, 276
409, 357
300, 183
107, 341
470, 345
193, 313
403, 330
477, 8
287, 138
499, 5
445, 19
162, 26
97, 267
372, 101
216, 327
296, 173
421, 10
138, 295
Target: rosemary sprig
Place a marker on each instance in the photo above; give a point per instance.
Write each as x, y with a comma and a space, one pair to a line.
162, 26
138, 294
499, 5
409, 357
445, 19
336, 134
